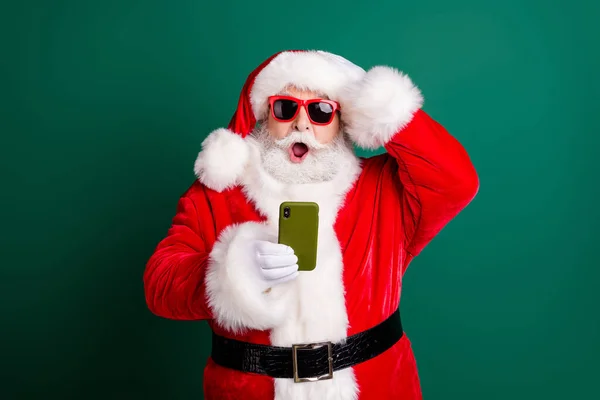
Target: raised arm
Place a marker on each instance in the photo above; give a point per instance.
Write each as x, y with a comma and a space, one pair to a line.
437, 178
174, 278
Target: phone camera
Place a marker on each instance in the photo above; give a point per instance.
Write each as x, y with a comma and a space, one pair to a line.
286, 212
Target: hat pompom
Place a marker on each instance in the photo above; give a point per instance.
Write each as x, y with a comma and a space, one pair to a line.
222, 160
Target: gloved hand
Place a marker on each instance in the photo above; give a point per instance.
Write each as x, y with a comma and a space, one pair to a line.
245, 265
276, 263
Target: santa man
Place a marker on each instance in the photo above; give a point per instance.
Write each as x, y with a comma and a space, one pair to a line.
333, 332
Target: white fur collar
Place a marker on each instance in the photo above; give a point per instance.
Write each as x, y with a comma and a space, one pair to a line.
222, 160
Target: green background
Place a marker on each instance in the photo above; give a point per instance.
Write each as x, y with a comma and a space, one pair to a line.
103, 108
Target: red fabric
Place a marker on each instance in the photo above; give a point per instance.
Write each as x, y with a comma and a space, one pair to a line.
401, 200
243, 120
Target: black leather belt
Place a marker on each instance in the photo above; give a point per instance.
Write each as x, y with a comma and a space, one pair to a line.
311, 361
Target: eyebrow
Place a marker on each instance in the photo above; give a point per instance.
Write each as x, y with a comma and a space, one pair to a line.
286, 92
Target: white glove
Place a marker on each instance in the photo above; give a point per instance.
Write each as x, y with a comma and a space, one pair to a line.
276, 263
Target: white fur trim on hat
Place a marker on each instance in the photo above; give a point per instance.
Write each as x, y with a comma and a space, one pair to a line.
375, 108
313, 70
222, 159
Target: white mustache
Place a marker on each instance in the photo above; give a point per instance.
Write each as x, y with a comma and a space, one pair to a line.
300, 137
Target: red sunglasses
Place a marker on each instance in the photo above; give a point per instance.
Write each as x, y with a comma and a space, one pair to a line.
319, 111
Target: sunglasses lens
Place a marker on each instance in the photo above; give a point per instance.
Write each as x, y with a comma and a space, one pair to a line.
320, 112
285, 109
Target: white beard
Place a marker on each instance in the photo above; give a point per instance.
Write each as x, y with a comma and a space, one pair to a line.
321, 164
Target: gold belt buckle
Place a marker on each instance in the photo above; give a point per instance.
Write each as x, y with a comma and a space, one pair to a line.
310, 346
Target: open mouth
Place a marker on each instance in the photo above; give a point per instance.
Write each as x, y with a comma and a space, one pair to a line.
298, 152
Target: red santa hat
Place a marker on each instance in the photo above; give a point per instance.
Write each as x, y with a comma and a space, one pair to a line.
374, 105
317, 71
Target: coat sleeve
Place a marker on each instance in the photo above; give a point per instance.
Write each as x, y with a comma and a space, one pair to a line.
435, 174
437, 177
174, 278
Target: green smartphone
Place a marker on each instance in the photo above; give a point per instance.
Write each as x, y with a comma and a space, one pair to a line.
299, 228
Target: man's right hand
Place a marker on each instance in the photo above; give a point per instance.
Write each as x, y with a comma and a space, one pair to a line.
276, 263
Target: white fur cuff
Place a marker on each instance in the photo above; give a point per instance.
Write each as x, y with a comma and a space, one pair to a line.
235, 292
375, 108
222, 160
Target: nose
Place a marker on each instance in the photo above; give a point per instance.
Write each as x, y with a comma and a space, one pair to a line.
302, 123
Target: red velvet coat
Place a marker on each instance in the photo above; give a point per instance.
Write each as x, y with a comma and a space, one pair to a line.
388, 208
